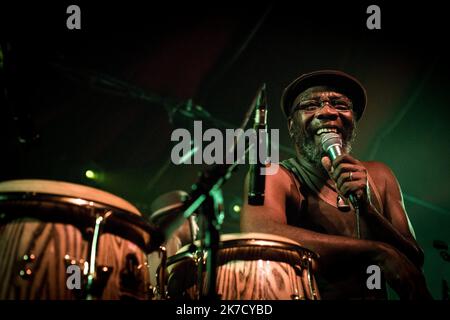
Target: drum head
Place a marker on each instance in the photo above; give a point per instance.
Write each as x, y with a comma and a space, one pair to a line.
71, 190
269, 244
63, 202
256, 236
251, 239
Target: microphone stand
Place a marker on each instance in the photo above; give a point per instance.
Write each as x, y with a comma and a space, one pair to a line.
207, 194
212, 209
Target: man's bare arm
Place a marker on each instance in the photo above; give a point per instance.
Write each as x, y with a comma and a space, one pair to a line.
396, 229
271, 218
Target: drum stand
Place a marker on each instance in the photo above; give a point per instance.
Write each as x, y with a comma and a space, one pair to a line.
207, 196
212, 209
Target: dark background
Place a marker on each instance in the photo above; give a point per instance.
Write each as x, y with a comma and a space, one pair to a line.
108, 96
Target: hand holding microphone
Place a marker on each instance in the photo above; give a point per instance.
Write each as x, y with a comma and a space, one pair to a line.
349, 174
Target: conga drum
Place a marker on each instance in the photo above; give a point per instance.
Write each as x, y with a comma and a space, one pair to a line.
61, 240
250, 266
163, 210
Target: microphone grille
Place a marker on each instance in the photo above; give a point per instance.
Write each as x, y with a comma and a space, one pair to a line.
330, 139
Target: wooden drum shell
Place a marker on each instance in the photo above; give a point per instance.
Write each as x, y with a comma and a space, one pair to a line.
45, 226
249, 267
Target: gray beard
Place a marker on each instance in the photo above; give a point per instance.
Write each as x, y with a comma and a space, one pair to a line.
312, 153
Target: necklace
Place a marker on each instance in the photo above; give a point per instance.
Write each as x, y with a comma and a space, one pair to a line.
342, 204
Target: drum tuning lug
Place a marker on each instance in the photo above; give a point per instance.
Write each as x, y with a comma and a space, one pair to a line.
198, 257
89, 231
306, 260
26, 273
295, 297
104, 271
298, 269
71, 261
100, 281
29, 257
26, 270
151, 292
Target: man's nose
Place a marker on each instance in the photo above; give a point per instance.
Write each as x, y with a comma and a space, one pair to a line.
327, 112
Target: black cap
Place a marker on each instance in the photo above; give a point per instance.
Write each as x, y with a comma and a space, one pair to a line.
338, 80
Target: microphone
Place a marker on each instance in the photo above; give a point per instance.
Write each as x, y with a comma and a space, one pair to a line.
257, 181
332, 145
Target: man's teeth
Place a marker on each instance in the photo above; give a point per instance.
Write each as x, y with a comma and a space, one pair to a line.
325, 130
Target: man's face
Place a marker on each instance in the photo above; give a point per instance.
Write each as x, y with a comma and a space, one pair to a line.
316, 111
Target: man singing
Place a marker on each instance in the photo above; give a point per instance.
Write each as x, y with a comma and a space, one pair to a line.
307, 200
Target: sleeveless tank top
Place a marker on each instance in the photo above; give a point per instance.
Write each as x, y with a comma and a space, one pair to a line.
319, 211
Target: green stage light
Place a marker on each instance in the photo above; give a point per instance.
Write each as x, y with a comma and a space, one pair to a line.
90, 174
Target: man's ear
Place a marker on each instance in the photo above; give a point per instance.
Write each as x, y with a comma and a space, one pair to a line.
289, 125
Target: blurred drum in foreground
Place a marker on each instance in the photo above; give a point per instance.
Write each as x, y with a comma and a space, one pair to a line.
250, 266
61, 240
167, 209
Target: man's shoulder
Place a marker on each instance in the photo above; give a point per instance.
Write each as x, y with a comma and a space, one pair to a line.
283, 178
287, 183
380, 172
281, 173
276, 174
377, 167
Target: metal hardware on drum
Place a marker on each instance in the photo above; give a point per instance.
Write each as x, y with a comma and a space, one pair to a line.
52, 225
249, 267
151, 292
92, 275
206, 194
199, 258
96, 276
308, 272
101, 279
161, 274
26, 270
